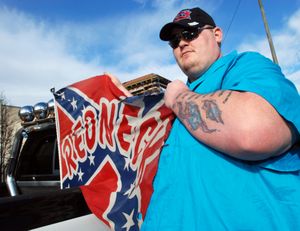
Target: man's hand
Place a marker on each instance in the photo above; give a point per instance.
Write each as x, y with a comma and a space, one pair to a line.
173, 90
117, 82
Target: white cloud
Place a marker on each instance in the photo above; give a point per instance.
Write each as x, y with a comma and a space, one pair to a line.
33, 59
287, 46
36, 55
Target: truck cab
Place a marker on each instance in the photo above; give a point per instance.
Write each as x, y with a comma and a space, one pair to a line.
34, 163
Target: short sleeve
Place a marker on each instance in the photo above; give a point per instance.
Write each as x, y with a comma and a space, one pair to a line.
255, 73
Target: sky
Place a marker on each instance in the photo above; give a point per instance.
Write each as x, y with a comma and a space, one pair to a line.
48, 44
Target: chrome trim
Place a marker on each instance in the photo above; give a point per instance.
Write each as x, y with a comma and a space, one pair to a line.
11, 185
38, 183
10, 180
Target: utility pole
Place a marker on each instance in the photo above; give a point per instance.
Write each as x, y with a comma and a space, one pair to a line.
275, 60
1, 143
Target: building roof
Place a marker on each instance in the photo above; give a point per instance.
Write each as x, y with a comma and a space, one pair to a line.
151, 83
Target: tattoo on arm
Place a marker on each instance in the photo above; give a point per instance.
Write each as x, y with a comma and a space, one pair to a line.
192, 96
227, 97
212, 111
189, 110
192, 115
179, 95
221, 93
198, 96
212, 94
185, 95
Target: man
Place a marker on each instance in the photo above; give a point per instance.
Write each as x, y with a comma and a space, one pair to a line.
231, 161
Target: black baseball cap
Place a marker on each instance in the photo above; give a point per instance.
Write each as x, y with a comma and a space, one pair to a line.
188, 19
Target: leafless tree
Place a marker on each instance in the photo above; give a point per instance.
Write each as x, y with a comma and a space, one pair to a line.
6, 133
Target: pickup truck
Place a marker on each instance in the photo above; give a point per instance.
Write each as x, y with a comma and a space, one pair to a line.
32, 197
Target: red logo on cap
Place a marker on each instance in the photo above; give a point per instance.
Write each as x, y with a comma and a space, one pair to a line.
184, 14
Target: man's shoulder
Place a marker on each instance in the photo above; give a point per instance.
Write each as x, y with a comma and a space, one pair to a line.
250, 55
246, 58
253, 60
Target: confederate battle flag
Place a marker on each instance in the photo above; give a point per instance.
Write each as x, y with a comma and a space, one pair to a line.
109, 145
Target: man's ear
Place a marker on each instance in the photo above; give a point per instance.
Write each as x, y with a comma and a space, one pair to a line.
218, 34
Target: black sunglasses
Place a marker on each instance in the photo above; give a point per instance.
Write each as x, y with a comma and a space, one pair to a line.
187, 35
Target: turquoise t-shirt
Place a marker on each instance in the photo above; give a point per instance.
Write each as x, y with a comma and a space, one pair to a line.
198, 188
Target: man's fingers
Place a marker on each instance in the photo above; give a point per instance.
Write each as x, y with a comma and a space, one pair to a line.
117, 82
173, 90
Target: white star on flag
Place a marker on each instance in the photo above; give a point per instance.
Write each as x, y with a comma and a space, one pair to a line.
74, 104
62, 95
131, 191
91, 158
129, 220
80, 174
127, 163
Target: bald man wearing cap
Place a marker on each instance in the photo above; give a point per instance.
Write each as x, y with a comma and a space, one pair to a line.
232, 159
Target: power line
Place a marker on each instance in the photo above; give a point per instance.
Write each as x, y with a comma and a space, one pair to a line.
232, 18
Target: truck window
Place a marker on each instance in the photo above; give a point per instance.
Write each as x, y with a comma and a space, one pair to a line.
39, 155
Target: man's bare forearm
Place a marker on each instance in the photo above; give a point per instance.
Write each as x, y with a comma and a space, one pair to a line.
197, 110
240, 124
